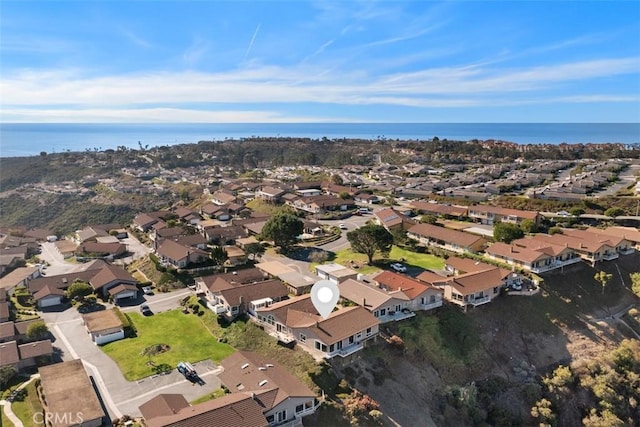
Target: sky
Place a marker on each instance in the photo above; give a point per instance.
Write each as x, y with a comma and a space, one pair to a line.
319, 61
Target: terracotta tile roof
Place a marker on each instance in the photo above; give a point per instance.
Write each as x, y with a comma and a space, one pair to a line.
35, 349
574, 243
254, 291
249, 379
390, 217
101, 320
396, 282
471, 283
163, 405
231, 410
68, 390
9, 353
504, 211
629, 233
367, 296
594, 237
431, 278
439, 209
459, 238
467, 265
514, 252
541, 246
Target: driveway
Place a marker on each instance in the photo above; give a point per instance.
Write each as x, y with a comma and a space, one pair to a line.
57, 264
135, 248
351, 223
122, 396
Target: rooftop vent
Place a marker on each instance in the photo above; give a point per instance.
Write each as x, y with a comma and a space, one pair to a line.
245, 366
263, 382
262, 368
268, 365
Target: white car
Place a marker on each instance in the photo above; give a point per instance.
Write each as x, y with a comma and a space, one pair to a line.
147, 290
342, 227
398, 267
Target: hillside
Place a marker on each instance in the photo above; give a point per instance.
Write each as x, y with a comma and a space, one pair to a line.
498, 352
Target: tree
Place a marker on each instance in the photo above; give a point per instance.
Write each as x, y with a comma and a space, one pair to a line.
370, 239
604, 278
344, 195
528, 226
336, 179
576, 211
254, 249
635, 283
506, 232
429, 219
283, 228
318, 256
219, 255
614, 211
37, 331
544, 412
6, 375
79, 289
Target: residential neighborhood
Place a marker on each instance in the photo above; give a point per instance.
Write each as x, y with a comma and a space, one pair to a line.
111, 298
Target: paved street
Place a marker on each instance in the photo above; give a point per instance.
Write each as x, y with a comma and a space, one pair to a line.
122, 396
57, 264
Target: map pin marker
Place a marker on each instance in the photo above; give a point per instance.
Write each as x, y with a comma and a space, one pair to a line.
324, 296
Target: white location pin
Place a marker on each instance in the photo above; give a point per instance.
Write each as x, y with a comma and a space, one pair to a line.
324, 296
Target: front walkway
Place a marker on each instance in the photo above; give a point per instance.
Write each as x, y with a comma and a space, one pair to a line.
7, 403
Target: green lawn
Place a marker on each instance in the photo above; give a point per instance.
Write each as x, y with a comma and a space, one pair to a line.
25, 408
415, 259
188, 338
5, 420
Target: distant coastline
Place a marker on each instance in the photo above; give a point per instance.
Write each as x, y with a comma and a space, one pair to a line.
28, 139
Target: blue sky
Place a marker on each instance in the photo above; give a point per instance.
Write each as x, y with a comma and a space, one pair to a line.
324, 61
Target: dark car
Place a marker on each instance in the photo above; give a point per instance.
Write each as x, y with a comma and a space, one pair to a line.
189, 372
144, 309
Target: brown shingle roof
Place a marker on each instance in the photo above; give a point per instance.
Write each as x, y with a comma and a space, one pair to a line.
467, 265
47, 291
61, 281
7, 330
459, 238
277, 377
122, 288
254, 291
249, 275
9, 353
4, 309
163, 405
35, 349
231, 410
390, 217
67, 390
16, 276
110, 273
101, 320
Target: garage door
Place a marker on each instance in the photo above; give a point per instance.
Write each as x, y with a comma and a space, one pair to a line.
50, 301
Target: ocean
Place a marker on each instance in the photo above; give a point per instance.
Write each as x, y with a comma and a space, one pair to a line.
29, 139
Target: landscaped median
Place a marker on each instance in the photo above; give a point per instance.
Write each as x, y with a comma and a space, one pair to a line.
181, 336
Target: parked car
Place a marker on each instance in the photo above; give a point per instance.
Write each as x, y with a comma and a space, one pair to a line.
147, 290
145, 310
342, 227
189, 372
398, 267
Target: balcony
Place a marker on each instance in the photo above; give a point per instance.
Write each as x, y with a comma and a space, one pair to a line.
478, 301
610, 256
394, 316
217, 308
430, 306
555, 265
627, 251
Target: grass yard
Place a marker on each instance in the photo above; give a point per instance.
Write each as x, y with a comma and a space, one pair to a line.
209, 396
3, 417
425, 261
29, 405
188, 338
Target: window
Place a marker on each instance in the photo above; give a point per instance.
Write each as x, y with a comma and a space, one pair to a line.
331, 348
432, 299
339, 345
282, 416
383, 311
351, 339
303, 337
234, 309
368, 331
271, 418
320, 346
299, 408
376, 313
495, 290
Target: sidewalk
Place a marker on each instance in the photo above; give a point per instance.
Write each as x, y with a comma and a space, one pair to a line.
7, 403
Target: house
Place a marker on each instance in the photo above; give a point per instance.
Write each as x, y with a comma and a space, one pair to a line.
437, 209
234, 299
172, 410
18, 277
194, 240
297, 283
48, 296
628, 233
16, 331
187, 216
66, 248
4, 311
475, 288
321, 203
335, 272
235, 256
108, 276
452, 240
100, 250
343, 333
591, 251
622, 245
490, 215
67, 391
180, 256
422, 297
385, 306
284, 398
224, 235
89, 234
269, 194
22, 356
123, 292
393, 220
223, 197
7, 262
143, 222
263, 394
239, 277
103, 326
533, 255
366, 198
